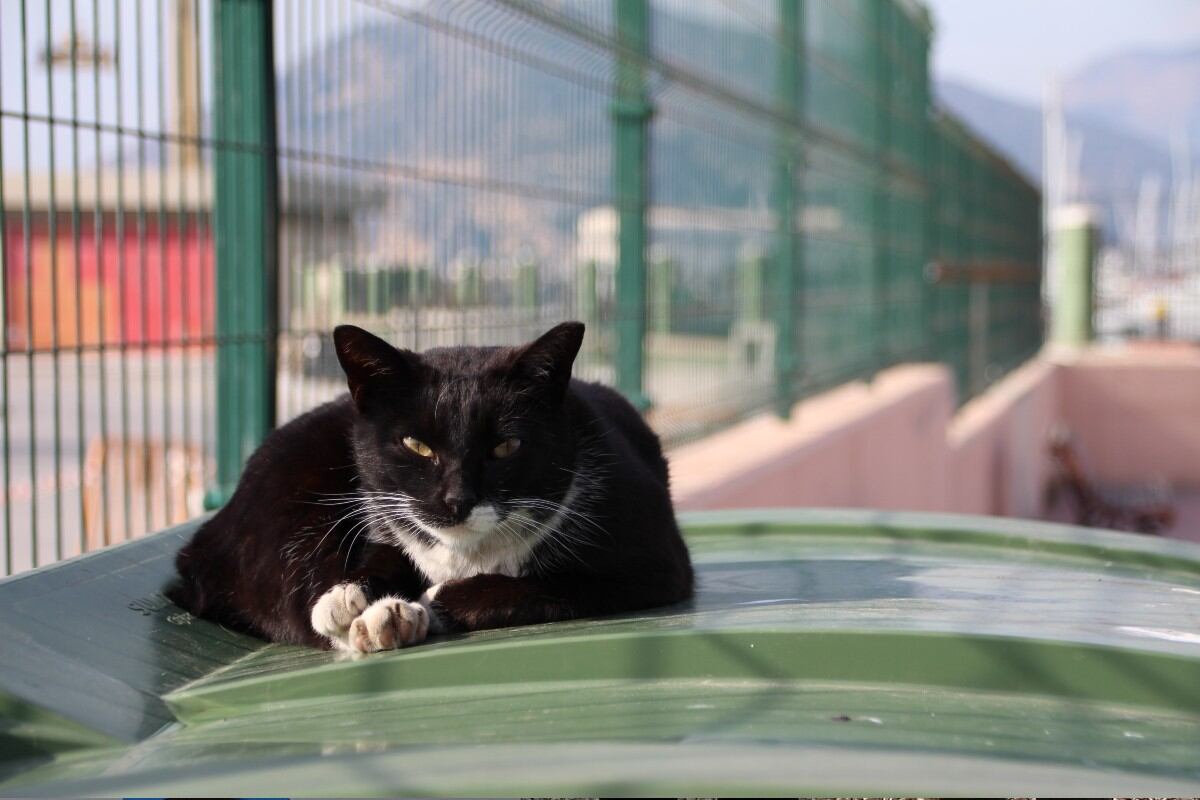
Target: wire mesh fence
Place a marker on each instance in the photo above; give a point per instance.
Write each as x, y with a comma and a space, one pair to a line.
745, 200
107, 265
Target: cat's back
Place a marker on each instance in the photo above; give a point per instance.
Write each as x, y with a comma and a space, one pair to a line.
302, 454
309, 456
614, 419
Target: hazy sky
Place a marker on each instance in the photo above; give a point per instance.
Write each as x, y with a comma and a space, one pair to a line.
1014, 46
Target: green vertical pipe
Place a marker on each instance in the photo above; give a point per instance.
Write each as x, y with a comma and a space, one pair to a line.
1075, 240
662, 287
631, 112
929, 201
525, 287
752, 290
879, 216
587, 306
245, 229
789, 87
470, 285
418, 284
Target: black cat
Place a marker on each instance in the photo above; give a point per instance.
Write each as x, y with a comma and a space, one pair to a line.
460, 489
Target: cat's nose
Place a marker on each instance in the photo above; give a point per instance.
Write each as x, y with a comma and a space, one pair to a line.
458, 503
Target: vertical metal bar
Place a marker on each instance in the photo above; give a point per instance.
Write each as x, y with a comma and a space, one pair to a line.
102, 287
4, 345
245, 202
204, 256
123, 327
880, 204
931, 245
631, 112
27, 260
187, 130
143, 269
789, 87
164, 268
52, 237
80, 428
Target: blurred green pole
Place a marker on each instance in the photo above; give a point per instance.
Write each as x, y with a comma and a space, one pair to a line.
789, 87
879, 213
1076, 236
662, 286
586, 300
245, 229
631, 117
525, 288
470, 285
929, 202
751, 275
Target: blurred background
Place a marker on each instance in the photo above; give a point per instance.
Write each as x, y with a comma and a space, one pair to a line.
877, 253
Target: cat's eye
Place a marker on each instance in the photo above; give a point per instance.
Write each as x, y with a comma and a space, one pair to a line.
418, 447
506, 448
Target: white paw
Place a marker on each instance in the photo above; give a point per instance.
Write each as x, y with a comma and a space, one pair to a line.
426, 602
336, 609
387, 624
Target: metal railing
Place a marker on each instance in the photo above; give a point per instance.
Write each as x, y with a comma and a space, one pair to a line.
746, 200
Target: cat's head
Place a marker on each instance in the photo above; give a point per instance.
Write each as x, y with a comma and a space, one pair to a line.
462, 446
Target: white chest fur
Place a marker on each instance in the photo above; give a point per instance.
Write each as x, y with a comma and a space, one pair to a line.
481, 545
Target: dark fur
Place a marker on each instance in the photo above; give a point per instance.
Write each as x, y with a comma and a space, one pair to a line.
264, 559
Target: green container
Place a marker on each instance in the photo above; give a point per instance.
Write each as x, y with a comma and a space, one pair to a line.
826, 653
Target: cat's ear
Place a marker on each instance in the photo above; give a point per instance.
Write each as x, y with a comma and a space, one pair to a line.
547, 361
368, 360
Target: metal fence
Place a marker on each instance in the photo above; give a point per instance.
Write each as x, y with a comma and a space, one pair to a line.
746, 200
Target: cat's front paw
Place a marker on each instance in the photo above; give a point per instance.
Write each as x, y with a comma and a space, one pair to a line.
387, 624
336, 609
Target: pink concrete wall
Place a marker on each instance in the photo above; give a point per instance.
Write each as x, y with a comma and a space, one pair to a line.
871, 446
897, 443
1136, 413
998, 458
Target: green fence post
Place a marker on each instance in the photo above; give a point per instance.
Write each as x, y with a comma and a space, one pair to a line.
752, 290
469, 289
1075, 238
245, 229
662, 289
929, 204
631, 118
880, 204
789, 87
585, 296
525, 287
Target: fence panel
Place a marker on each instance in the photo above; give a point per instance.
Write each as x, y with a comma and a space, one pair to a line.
106, 360
747, 201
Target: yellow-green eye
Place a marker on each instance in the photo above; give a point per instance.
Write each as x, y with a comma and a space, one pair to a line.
418, 447
506, 448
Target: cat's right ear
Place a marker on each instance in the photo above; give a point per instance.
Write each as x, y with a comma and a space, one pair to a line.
368, 361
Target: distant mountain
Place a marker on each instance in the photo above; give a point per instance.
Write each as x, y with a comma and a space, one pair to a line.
480, 153
1113, 161
487, 155
1154, 95
1128, 111
1013, 128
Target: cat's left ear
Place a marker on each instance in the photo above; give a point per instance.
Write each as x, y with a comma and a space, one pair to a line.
369, 361
548, 360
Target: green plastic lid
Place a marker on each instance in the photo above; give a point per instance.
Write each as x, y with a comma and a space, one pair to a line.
825, 653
